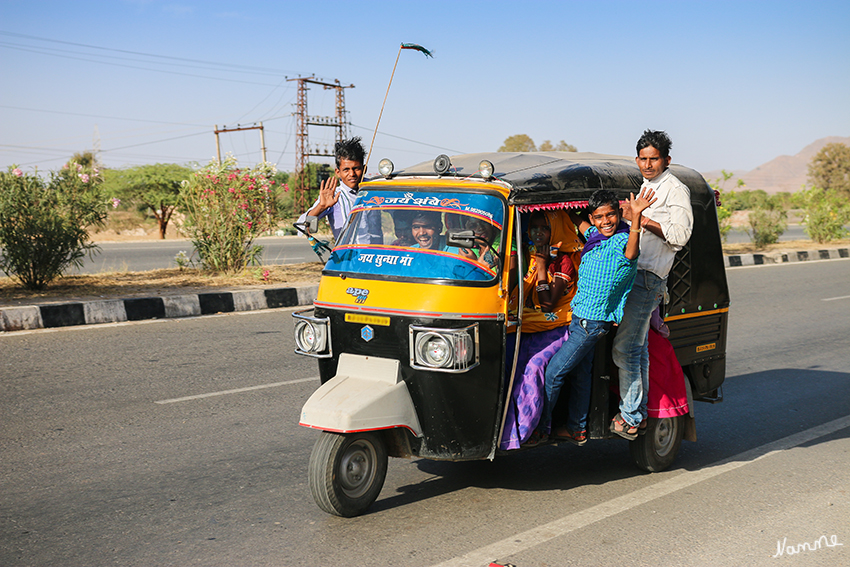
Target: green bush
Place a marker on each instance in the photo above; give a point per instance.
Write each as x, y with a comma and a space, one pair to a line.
226, 208
826, 213
724, 221
766, 225
44, 225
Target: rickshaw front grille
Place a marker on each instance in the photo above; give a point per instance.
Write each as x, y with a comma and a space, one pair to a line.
375, 347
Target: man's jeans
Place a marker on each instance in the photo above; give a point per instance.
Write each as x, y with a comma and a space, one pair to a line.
576, 353
631, 345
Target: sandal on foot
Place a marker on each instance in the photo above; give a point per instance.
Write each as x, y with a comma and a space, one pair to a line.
621, 427
642, 428
535, 439
561, 433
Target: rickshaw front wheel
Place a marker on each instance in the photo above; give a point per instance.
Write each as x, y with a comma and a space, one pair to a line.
657, 450
347, 472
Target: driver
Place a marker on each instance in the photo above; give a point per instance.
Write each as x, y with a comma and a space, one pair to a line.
426, 228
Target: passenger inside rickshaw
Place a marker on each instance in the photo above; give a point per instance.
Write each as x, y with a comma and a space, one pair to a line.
551, 242
551, 255
402, 229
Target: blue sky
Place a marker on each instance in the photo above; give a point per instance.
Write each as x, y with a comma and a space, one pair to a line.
735, 83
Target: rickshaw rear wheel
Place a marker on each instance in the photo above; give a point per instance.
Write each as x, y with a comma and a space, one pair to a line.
347, 472
657, 450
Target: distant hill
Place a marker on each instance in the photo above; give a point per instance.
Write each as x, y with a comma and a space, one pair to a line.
784, 173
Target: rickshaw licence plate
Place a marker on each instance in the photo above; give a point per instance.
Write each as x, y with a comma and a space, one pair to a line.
368, 319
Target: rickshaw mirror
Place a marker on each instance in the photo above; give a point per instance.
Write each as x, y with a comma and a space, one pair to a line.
312, 223
460, 238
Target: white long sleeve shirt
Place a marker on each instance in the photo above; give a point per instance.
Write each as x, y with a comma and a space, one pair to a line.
338, 214
369, 230
673, 212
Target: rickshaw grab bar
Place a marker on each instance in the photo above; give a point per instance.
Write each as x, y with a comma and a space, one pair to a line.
367, 394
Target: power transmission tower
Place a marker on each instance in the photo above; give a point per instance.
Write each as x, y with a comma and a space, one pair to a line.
303, 150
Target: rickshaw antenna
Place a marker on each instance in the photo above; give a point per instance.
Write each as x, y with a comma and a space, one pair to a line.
413, 46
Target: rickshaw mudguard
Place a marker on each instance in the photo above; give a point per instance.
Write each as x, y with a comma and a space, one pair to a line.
367, 394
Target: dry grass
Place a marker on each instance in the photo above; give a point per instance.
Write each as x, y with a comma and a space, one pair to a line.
169, 281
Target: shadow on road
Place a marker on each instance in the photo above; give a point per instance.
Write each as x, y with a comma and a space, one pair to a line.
761, 412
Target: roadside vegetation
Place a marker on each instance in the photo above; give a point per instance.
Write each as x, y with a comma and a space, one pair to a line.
49, 223
823, 205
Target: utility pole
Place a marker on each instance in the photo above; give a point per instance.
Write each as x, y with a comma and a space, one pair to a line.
239, 128
302, 144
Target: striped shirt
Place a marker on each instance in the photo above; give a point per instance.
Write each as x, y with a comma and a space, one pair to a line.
605, 277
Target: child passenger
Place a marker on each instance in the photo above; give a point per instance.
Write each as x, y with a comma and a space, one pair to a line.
605, 276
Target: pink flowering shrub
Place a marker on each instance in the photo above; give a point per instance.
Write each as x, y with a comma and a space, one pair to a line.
44, 223
226, 209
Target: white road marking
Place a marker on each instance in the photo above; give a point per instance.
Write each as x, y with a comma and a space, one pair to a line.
536, 536
236, 391
835, 298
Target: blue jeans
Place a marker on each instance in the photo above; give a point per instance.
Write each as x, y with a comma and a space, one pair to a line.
576, 353
631, 345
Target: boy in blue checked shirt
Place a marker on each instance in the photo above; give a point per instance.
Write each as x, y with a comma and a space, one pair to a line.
605, 276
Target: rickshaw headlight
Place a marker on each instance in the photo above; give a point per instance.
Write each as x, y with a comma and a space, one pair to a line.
433, 350
485, 168
385, 167
311, 336
444, 350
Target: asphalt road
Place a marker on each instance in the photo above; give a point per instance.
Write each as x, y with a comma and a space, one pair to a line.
139, 256
108, 459
145, 255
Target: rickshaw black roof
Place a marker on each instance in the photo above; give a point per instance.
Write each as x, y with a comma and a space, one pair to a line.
544, 177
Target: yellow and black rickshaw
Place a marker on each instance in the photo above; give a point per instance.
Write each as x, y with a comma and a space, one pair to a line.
416, 341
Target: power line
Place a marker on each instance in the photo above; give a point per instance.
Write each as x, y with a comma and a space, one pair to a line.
182, 74
105, 117
409, 140
214, 63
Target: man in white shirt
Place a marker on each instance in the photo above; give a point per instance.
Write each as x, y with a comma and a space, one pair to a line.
336, 199
667, 226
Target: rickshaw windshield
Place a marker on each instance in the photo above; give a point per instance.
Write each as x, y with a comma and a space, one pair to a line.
405, 234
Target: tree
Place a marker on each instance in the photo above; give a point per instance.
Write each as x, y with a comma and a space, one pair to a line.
830, 169
562, 146
518, 143
156, 187
523, 143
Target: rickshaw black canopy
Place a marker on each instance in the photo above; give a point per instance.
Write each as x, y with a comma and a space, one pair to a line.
539, 178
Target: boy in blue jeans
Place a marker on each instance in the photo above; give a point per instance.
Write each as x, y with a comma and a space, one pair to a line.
605, 276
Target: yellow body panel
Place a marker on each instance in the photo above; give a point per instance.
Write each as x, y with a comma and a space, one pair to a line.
408, 297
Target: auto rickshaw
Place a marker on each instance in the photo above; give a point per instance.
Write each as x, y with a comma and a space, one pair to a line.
411, 335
